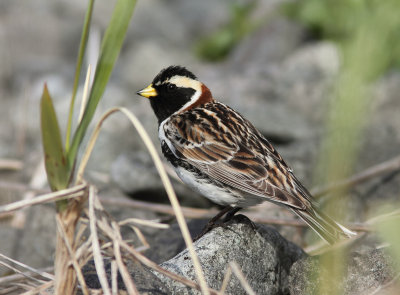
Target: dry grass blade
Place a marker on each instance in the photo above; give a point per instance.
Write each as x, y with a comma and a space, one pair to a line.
160, 208
98, 258
72, 256
22, 280
226, 280
31, 269
147, 262
164, 178
140, 235
321, 247
114, 281
112, 231
209, 213
385, 167
69, 193
10, 164
83, 251
130, 286
238, 273
85, 94
39, 290
81, 231
17, 277
7, 215
20, 272
37, 181
384, 216
66, 274
148, 223
9, 290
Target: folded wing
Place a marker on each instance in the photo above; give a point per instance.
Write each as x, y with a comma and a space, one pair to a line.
212, 144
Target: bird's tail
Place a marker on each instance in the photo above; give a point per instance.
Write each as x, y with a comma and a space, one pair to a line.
323, 225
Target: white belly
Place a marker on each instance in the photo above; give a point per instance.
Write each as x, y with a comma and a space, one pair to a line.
214, 193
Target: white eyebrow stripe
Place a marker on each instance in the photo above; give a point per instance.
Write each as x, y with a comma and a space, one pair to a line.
181, 81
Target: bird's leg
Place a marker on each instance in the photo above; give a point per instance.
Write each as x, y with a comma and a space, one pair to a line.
221, 213
231, 213
228, 210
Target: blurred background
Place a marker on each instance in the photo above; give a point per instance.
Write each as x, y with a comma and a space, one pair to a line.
320, 79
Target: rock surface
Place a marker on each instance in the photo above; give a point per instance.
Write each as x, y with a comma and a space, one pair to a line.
270, 264
261, 253
145, 281
366, 272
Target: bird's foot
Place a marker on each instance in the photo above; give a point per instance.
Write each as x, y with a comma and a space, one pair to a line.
213, 223
209, 226
229, 215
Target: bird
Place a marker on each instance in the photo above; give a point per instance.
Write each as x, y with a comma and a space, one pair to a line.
221, 155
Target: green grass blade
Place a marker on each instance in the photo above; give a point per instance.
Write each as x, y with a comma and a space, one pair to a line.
81, 53
56, 162
110, 48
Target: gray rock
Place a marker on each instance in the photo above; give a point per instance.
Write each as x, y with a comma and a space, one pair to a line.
365, 272
33, 243
136, 175
165, 244
262, 254
145, 281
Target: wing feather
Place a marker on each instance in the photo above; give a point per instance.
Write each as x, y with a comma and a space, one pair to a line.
231, 159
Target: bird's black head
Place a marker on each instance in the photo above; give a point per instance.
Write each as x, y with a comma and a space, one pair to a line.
171, 90
171, 71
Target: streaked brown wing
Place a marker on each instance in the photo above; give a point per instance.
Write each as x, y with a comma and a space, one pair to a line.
230, 159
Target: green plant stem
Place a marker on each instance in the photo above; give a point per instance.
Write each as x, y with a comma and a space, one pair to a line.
110, 49
81, 53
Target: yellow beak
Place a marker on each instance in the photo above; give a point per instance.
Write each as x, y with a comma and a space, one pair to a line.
148, 92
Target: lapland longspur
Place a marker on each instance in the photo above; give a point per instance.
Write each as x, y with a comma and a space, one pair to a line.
220, 154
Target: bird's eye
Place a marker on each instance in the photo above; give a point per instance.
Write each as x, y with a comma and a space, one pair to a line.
171, 87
